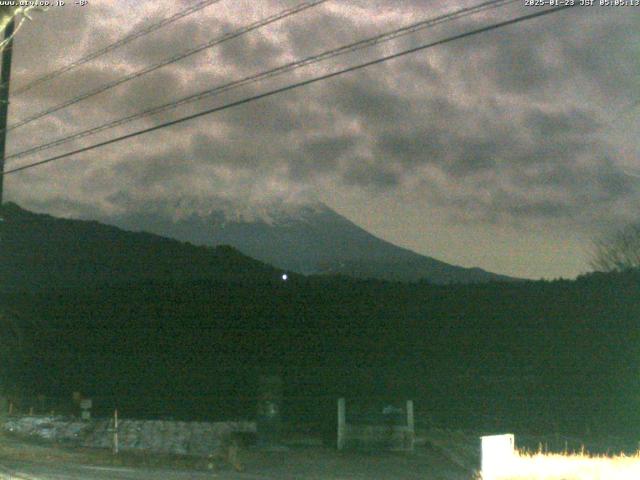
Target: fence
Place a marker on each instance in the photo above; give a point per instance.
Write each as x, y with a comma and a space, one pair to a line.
390, 427
318, 413
157, 436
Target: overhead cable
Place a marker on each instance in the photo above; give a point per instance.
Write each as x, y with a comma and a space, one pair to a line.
288, 67
296, 85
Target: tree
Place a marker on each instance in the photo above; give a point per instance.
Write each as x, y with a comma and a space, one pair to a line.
619, 251
12, 346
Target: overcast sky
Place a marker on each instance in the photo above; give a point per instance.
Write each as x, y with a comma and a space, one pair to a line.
510, 150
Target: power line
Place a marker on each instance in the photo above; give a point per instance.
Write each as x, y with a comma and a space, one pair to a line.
123, 41
294, 86
387, 36
217, 41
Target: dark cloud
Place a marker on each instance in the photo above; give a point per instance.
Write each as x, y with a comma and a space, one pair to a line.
34, 42
520, 68
337, 29
413, 148
365, 174
364, 98
603, 52
320, 155
475, 155
152, 170
249, 52
555, 125
274, 117
213, 150
540, 208
157, 88
176, 39
328, 146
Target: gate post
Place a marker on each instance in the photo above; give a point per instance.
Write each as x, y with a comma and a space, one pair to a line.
410, 426
342, 423
269, 419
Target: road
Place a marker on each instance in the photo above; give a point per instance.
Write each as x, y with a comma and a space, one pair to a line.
48, 471
30, 461
313, 467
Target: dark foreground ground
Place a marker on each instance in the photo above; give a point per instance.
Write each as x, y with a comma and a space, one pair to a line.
20, 460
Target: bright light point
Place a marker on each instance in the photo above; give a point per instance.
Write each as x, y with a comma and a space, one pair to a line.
284, 276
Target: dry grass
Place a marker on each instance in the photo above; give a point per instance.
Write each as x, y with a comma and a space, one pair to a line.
576, 466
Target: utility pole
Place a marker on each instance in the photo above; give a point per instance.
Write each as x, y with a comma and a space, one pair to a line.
4, 109
4, 97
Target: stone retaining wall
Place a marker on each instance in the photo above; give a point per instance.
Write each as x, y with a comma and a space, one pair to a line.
158, 436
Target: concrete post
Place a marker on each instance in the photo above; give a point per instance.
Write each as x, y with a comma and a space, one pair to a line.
269, 415
116, 443
342, 422
410, 425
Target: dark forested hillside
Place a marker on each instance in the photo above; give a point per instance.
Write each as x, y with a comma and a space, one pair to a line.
530, 354
42, 252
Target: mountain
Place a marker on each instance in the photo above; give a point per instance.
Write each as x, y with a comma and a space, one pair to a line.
307, 238
40, 251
